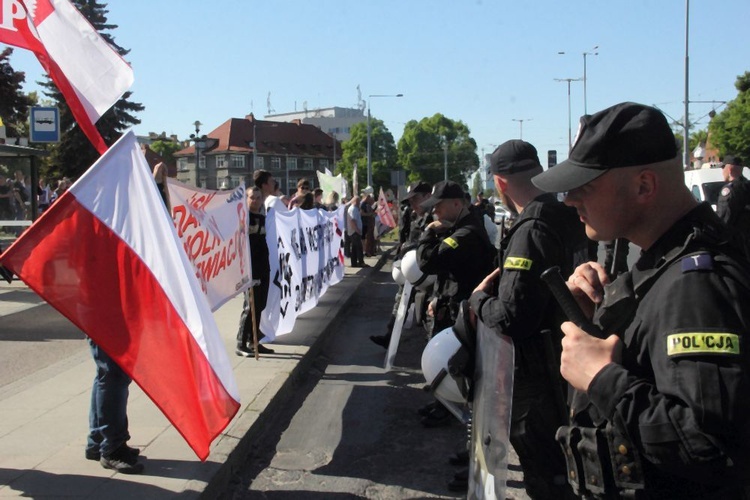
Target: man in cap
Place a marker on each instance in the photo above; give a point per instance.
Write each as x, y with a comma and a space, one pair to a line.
417, 193
514, 301
661, 408
454, 247
733, 205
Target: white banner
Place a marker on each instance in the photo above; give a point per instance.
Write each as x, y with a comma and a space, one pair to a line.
213, 228
306, 258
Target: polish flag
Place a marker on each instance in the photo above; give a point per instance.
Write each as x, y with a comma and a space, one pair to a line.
107, 256
89, 73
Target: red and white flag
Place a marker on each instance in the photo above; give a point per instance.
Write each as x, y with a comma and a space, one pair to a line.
107, 256
384, 211
89, 73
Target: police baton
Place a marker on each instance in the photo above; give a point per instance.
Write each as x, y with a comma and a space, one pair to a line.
568, 304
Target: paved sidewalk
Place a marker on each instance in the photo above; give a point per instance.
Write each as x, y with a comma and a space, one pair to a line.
44, 416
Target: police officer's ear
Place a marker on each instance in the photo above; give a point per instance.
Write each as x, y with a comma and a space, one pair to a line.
647, 184
501, 184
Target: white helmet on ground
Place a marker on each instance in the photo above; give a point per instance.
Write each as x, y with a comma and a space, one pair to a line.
413, 274
439, 350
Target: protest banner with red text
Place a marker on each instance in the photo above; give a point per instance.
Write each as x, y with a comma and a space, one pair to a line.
213, 228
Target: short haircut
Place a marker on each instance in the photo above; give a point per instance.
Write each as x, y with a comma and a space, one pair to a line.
318, 192
261, 176
303, 182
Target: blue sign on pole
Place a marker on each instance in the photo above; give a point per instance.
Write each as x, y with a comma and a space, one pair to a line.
45, 124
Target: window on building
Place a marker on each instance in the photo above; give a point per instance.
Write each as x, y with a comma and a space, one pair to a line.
323, 164
275, 163
221, 161
291, 162
202, 161
238, 161
182, 165
307, 164
259, 162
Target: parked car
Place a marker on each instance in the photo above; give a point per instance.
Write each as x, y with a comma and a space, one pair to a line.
705, 183
503, 215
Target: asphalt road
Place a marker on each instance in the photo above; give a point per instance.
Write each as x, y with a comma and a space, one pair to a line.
351, 430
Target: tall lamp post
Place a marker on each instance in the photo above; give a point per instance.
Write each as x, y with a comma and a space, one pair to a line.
198, 144
520, 123
369, 140
570, 139
591, 52
202, 142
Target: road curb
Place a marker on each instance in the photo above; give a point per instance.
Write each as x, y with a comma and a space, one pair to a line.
273, 398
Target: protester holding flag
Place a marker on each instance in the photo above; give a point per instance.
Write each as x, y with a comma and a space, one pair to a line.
261, 271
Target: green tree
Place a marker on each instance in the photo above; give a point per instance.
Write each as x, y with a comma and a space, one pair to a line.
75, 153
14, 104
166, 149
422, 150
730, 129
382, 154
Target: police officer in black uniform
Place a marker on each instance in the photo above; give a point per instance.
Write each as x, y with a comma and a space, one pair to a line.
454, 247
733, 205
417, 220
661, 408
515, 302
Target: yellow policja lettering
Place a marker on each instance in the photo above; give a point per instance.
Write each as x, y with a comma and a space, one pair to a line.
517, 263
451, 242
679, 344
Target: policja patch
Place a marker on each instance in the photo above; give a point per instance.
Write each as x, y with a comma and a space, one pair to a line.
681, 344
517, 263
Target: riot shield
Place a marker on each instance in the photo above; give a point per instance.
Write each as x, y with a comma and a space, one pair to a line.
403, 306
490, 431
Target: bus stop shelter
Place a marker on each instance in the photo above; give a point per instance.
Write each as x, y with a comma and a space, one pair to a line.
24, 155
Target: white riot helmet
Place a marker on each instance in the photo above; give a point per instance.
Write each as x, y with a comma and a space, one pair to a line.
413, 274
438, 352
396, 273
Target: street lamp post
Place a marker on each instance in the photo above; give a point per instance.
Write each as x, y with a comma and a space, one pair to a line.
197, 143
520, 123
369, 140
592, 53
570, 139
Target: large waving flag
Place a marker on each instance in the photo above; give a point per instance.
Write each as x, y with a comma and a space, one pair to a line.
90, 74
107, 256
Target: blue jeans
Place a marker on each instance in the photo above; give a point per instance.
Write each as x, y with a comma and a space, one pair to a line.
108, 419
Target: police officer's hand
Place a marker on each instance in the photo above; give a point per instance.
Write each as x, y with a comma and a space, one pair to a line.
488, 284
439, 226
583, 355
587, 285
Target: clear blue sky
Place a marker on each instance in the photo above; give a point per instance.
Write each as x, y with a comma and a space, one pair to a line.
483, 62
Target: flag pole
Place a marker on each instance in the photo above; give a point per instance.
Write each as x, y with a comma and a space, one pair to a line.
255, 325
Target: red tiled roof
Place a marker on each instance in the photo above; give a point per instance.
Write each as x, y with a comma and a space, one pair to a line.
153, 158
293, 138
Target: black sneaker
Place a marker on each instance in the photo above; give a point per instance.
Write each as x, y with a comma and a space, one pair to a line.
382, 340
243, 351
262, 349
427, 409
95, 454
122, 461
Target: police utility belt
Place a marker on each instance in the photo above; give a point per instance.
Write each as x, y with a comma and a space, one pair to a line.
600, 462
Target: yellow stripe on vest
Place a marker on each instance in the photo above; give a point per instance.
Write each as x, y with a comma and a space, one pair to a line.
517, 263
703, 343
451, 242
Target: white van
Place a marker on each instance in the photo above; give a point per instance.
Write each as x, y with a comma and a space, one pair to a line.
705, 183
